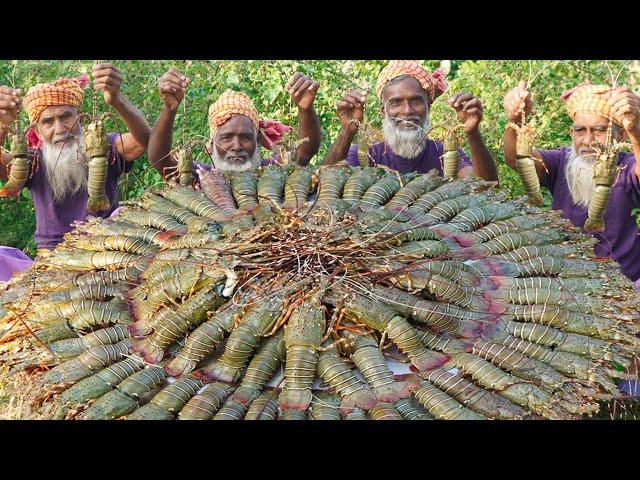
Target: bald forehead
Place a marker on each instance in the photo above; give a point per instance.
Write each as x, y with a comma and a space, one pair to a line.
590, 120
54, 111
405, 87
239, 124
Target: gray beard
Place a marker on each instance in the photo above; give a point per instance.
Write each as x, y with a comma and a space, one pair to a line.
66, 168
579, 173
405, 143
230, 164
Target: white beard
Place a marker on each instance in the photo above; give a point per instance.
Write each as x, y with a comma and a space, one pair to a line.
579, 173
405, 143
229, 163
66, 167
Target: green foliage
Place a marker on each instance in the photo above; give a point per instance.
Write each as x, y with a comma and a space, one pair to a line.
264, 82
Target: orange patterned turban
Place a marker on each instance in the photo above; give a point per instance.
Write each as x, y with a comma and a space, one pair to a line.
228, 104
64, 91
231, 103
434, 84
587, 98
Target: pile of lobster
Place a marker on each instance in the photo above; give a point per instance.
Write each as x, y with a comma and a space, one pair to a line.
332, 293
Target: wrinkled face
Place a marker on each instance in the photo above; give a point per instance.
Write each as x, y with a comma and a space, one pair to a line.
236, 140
588, 128
404, 102
57, 123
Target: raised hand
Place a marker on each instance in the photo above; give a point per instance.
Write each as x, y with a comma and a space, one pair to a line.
303, 90
108, 79
172, 86
468, 109
351, 109
516, 101
9, 105
625, 109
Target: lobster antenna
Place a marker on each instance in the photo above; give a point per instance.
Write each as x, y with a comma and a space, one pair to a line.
94, 100
530, 69
187, 64
545, 67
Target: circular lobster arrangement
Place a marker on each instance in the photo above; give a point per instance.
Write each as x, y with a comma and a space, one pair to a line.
332, 293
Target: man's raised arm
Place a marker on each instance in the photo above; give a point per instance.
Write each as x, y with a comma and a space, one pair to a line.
625, 109
517, 101
303, 92
9, 105
350, 114
469, 111
172, 86
133, 144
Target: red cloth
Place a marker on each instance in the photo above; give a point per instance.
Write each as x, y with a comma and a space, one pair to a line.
271, 132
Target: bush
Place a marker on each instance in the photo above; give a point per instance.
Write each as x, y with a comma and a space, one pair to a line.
264, 82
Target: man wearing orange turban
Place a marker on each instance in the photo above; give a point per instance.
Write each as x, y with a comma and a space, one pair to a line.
236, 129
58, 179
406, 91
568, 171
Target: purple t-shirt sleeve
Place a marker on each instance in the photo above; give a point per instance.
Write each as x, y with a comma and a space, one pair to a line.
551, 159
464, 160
352, 156
629, 179
274, 159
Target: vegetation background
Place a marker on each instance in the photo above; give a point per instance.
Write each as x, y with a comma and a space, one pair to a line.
264, 81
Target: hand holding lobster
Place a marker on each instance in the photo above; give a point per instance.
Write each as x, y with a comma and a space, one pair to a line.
468, 109
107, 77
625, 110
172, 86
516, 102
9, 105
351, 109
303, 90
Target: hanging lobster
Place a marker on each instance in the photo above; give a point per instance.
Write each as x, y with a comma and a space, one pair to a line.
19, 166
604, 177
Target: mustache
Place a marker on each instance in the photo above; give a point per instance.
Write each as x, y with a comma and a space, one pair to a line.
68, 138
235, 158
586, 151
410, 118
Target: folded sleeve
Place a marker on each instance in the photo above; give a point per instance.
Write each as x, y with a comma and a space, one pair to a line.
352, 156
630, 181
551, 159
464, 160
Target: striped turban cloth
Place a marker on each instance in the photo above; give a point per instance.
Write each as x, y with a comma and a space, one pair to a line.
64, 91
587, 98
233, 103
432, 83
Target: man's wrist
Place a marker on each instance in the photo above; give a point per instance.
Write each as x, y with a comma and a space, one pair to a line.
351, 128
308, 109
118, 100
170, 109
515, 121
474, 133
634, 133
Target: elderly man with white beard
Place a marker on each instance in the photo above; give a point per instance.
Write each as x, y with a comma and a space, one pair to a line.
407, 91
236, 130
58, 166
568, 171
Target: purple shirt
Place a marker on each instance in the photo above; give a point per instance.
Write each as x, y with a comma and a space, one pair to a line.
53, 221
12, 260
428, 159
620, 238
